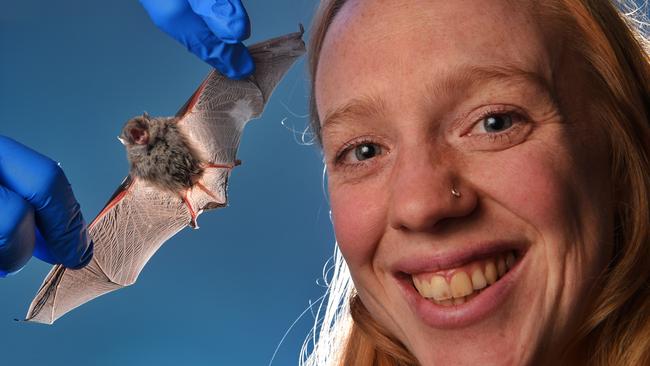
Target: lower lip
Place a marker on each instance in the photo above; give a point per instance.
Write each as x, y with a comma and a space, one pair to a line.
473, 311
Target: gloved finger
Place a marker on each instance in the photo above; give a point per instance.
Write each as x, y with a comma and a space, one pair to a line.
16, 232
227, 19
232, 60
41, 250
41, 182
178, 19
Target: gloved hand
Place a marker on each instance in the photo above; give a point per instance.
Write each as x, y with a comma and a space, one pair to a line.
211, 29
38, 212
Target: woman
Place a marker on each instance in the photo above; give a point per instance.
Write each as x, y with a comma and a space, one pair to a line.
489, 182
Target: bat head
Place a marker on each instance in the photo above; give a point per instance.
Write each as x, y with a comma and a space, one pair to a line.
136, 131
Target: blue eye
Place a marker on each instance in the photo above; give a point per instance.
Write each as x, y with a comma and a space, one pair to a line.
357, 152
366, 151
497, 122
498, 128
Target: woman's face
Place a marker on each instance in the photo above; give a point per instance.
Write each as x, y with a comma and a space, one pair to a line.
417, 98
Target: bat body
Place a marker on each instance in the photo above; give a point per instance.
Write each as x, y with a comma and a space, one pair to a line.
179, 167
160, 153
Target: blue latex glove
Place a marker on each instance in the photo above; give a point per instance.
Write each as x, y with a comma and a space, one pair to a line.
38, 212
211, 29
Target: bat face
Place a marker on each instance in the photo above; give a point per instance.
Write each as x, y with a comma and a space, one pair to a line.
136, 131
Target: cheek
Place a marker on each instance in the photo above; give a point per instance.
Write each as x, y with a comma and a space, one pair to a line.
559, 195
359, 220
534, 188
531, 187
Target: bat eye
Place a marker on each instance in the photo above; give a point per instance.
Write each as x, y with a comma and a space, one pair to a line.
139, 136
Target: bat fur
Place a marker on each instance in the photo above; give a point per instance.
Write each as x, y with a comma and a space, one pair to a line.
159, 153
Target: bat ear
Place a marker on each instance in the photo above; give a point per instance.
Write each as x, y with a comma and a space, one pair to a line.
145, 115
139, 136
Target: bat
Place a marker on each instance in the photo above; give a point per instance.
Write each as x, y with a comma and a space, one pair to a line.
179, 167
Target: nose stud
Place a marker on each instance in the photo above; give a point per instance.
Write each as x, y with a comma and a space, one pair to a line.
454, 192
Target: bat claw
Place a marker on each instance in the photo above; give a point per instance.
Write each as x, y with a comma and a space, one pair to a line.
193, 223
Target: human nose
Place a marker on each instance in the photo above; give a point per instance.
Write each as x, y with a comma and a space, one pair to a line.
427, 191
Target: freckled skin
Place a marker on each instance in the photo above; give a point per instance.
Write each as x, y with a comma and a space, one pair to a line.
163, 157
544, 182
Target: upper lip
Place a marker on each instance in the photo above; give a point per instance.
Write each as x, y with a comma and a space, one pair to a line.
456, 257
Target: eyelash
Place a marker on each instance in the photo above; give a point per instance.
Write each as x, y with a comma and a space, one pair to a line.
518, 121
348, 147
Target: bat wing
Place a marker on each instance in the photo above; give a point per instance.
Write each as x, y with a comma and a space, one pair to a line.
139, 218
129, 230
215, 116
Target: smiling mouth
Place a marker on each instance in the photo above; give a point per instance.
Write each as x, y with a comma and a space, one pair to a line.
456, 286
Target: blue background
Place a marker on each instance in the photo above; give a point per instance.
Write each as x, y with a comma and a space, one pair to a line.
71, 73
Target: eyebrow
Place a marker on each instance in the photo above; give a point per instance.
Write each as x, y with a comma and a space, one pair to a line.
369, 106
366, 106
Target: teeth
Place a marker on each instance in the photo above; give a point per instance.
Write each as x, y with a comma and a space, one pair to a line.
458, 301
439, 288
461, 285
423, 287
490, 272
418, 285
478, 279
501, 266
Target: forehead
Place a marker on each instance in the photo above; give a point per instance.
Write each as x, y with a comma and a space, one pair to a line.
393, 48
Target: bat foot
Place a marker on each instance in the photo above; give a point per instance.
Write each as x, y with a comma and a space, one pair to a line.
192, 222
